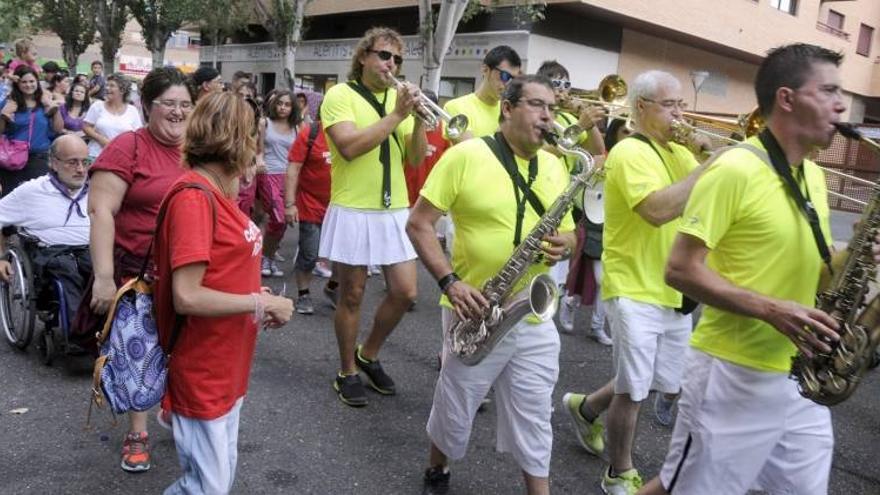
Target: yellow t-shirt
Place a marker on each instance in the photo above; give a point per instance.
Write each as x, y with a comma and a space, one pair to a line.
758, 239
634, 251
566, 119
358, 183
482, 118
472, 185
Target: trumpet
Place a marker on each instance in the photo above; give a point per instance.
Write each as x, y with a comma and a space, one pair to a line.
431, 114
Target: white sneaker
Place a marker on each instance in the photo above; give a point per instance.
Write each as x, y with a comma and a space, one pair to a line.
599, 335
567, 307
322, 270
274, 270
266, 267
374, 270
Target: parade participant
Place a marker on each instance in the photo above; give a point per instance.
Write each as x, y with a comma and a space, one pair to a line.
589, 117
370, 133
74, 109
648, 181
29, 115
128, 182
111, 117
97, 83
302, 104
475, 187
52, 209
208, 270
306, 196
742, 218
483, 106
207, 80
280, 132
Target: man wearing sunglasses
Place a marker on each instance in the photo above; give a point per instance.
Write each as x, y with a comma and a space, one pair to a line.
52, 210
370, 133
483, 106
648, 181
473, 184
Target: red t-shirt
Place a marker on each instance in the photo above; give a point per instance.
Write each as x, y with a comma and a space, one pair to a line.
211, 359
313, 187
149, 168
416, 176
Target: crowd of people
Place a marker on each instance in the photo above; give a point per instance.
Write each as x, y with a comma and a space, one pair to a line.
370, 187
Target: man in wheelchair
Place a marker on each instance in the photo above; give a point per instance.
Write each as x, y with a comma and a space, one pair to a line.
50, 215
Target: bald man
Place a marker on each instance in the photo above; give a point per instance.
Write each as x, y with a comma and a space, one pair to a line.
52, 210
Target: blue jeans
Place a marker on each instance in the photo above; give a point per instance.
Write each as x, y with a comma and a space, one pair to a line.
309, 239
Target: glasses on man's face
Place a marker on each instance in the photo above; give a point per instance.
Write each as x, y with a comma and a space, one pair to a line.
385, 55
560, 83
75, 162
503, 75
537, 104
668, 104
172, 104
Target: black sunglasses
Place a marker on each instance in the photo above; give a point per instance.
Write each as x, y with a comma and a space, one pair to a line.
503, 75
385, 55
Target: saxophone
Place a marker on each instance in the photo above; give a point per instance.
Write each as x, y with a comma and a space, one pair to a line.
473, 339
830, 378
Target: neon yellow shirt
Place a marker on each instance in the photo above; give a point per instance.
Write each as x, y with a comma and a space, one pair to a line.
634, 251
472, 185
482, 118
566, 119
358, 183
759, 240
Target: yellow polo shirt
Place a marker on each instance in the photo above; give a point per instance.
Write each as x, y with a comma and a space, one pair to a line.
758, 239
482, 118
634, 251
358, 183
471, 185
566, 119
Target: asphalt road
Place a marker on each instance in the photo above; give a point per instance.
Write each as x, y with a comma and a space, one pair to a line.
297, 438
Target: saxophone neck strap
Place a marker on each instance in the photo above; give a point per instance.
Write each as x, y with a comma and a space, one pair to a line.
780, 164
385, 145
522, 190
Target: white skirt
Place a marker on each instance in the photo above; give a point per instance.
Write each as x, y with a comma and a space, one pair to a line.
365, 237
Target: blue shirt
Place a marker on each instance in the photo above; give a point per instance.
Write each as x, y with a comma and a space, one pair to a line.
42, 136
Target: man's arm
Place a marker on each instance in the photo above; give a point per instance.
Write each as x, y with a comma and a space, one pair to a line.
667, 204
687, 272
291, 214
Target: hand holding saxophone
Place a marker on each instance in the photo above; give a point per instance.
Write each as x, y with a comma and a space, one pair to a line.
810, 329
467, 301
555, 248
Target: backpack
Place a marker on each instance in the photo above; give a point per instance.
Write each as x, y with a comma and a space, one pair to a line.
131, 370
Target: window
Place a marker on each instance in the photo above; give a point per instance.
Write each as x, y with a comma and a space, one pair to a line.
835, 20
789, 6
866, 36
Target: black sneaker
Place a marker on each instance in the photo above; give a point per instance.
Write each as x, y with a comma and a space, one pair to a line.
332, 296
436, 482
376, 376
350, 390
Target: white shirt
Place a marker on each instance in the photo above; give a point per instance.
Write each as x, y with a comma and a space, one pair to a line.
109, 124
39, 208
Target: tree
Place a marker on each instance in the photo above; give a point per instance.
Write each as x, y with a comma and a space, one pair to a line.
111, 17
437, 29
159, 19
222, 18
16, 18
74, 22
284, 20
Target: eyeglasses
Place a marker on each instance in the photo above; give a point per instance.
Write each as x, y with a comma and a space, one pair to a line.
385, 55
172, 104
538, 104
560, 84
503, 75
668, 104
75, 162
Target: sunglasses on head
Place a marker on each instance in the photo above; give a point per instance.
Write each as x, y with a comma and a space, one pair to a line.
560, 84
503, 75
385, 55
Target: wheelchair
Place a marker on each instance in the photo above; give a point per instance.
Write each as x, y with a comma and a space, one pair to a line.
28, 297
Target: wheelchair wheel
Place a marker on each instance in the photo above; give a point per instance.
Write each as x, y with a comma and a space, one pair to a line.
17, 300
47, 347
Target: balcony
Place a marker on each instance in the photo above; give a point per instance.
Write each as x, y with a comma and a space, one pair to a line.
821, 26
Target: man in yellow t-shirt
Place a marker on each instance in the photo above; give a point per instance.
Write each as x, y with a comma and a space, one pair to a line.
747, 251
648, 180
370, 133
474, 187
483, 106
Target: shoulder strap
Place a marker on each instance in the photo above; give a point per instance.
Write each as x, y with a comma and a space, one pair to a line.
506, 158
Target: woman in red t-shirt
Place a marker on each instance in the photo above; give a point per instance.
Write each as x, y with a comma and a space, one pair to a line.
208, 271
128, 181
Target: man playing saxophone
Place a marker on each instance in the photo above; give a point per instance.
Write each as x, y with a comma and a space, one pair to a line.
492, 214
746, 249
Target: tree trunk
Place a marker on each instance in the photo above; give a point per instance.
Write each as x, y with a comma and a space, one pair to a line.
70, 57
108, 56
437, 38
215, 48
288, 59
158, 49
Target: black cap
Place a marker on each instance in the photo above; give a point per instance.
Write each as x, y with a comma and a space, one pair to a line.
205, 74
51, 66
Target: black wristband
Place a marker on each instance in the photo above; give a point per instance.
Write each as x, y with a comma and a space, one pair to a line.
448, 280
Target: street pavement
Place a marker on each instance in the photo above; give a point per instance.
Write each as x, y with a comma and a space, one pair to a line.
297, 438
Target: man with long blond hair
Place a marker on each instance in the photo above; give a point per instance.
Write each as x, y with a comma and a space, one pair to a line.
370, 133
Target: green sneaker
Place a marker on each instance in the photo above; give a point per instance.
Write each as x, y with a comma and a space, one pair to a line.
591, 435
625, 483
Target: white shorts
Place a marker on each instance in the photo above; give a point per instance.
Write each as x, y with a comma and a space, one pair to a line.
365, 237
741, 429
524, 368
559, 272
649, 346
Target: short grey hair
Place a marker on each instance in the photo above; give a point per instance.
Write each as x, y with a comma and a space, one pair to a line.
647, 84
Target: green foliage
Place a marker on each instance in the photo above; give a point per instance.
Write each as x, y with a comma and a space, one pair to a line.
17, 18
280, 19
524, 11
73, 21
159, 19
221, 18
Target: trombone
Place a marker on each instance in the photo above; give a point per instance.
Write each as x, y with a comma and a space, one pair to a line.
431, 114
610, 95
